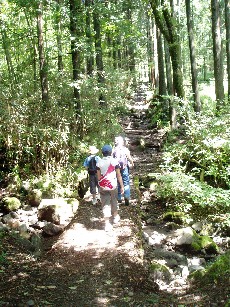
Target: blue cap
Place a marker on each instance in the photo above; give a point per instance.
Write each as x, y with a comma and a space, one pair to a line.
106, 149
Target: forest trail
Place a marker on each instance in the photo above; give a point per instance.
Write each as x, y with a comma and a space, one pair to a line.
87, 267
95, 268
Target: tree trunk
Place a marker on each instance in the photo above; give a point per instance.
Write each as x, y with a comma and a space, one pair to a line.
168, 69
89, 37
34, 51
76, 32
168, 27
150, 50
195, 89
99, 57
59, 35
161, 69
227, 26
42, 60
217, 52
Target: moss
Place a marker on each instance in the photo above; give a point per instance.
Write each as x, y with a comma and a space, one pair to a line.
208, 244
216, 273
11, 203
176, 217
204, 242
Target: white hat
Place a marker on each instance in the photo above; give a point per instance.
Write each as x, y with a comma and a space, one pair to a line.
93, 150
119, 140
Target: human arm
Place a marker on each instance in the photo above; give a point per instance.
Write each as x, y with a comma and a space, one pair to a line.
130, 159
98, 173
119, 178
86, 163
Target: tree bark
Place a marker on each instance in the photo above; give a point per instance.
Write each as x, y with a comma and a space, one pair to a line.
227, 26
151, 63
59, 35
217, 52
168, 67
5, 45
168, 27
76, 25
89, 37
195, 89
161, 69
99, 57
42, 60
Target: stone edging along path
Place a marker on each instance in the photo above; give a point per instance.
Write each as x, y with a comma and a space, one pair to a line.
134, 265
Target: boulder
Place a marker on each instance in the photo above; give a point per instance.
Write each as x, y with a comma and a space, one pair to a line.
58, 211
11, 203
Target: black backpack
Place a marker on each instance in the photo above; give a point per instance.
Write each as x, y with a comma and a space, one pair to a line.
92, 166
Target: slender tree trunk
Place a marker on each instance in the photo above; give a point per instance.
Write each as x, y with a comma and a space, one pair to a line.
42, 59
168, 69
162, 84
119, 56
89, 36
8, 56
59, 35
217, 52
76, 32
99, 57
131, 50
34, 51
150, 50
115, 59
155, 57
168, 27
227, 26
195, 89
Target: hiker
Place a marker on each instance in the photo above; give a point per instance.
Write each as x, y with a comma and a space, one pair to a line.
108, 172
122, 153
90, 164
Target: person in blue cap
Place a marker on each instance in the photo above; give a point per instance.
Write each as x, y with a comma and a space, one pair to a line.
108, 173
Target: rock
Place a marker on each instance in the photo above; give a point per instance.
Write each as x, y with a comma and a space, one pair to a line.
34, 197
58, 211
160, 272
51, 229
11, 203
183, 236
193, 268
176, 217
197, 226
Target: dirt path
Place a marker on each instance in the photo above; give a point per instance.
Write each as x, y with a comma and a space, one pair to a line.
93, 268
85, 266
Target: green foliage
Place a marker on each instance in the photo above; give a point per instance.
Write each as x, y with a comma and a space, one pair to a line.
63, 183
215, 273
190, 195
203, 150
11, 203
158, 111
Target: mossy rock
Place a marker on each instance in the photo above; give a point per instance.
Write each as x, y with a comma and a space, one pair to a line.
176, 217
204, 243
11, 203
34, 197
160, 271
215, 273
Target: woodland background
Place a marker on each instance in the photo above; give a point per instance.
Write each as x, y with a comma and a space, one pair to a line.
69, 70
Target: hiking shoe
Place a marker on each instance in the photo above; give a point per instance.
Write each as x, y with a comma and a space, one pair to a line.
108, 227
94, 201
119, 201
126, 201
116, 219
